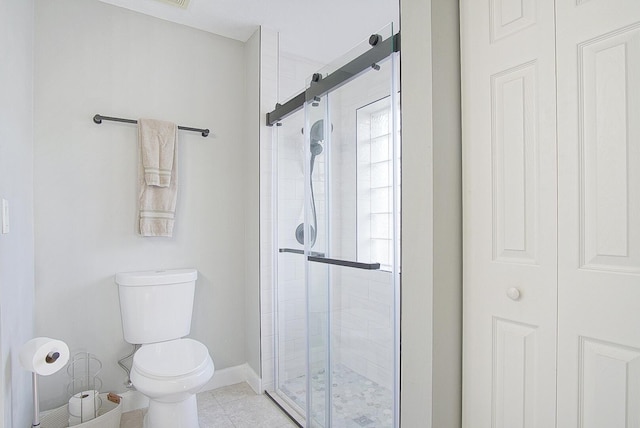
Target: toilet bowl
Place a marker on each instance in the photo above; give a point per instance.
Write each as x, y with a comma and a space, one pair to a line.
170, 373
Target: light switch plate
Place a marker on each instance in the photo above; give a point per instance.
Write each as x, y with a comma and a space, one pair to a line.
5, 216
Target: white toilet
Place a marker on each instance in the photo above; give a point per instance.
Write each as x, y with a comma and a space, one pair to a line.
156, 308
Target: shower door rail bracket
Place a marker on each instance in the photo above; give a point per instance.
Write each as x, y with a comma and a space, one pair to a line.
344, 74
353, 68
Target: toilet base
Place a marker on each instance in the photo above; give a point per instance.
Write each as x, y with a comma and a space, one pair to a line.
181, 414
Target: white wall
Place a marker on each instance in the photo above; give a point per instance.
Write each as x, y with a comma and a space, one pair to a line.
253, 121
16, 185
95, 58
447, 233
431, 215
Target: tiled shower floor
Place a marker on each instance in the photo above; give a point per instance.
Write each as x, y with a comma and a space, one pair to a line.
357, 401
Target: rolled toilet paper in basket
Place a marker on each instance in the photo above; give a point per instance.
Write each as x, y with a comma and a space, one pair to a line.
44, 356
84, 406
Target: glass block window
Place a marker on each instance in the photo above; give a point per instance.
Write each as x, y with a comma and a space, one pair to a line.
374, 183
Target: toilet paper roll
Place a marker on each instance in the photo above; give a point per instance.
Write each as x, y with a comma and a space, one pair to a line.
44, 355
83, 406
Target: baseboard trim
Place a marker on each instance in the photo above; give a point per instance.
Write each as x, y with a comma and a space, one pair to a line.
233, 375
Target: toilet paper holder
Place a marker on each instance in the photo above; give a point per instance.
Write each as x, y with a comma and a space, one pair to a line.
52, 357
44, 356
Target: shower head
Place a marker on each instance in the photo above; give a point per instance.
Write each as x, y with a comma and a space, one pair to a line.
317, 136
317, 131
316, 148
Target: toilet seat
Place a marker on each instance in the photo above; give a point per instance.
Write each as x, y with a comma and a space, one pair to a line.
175, 358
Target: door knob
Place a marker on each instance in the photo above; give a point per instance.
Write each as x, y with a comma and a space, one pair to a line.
513, 293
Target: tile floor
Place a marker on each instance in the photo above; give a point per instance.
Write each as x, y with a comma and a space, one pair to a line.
235, 406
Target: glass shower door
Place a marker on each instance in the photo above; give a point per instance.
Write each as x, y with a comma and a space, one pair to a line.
336, 296
290, 307
351, 273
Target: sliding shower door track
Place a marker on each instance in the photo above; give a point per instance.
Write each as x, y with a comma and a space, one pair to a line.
286, 408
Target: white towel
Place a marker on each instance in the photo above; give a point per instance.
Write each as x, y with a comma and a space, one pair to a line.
157, 176
158, 139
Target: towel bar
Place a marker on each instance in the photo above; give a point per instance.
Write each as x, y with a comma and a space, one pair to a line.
98, 118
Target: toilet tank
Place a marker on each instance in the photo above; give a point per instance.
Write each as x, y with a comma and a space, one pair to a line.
156, 305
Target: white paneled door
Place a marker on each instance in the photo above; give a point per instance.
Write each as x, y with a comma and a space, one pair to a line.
598, 44
551, 122
510, 201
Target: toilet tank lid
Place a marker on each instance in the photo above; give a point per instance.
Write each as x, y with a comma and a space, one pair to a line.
156, 277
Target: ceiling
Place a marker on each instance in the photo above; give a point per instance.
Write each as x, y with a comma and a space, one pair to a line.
320, 30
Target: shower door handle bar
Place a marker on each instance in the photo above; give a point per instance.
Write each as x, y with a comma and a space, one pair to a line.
297, 251
346, 263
